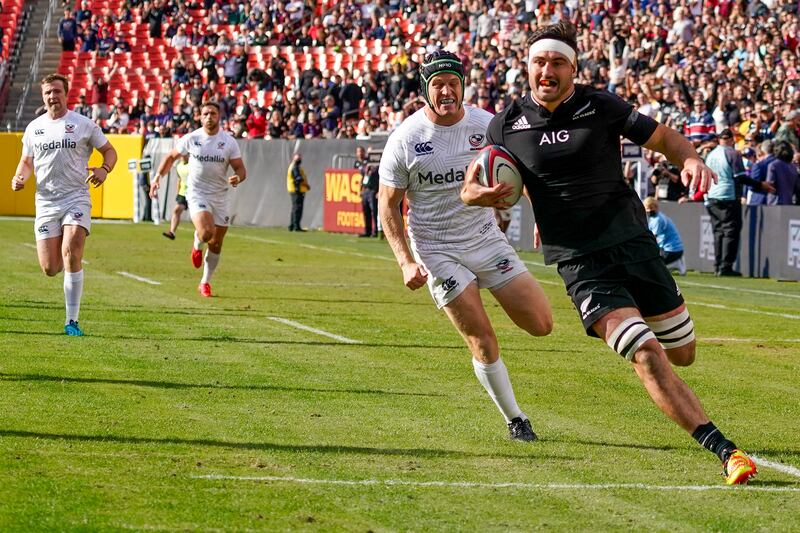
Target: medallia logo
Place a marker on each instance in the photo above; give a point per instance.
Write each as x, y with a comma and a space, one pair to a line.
423, 148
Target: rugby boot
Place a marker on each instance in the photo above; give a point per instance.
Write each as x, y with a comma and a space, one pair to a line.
197, 258
739, 468
519, 429
205, 290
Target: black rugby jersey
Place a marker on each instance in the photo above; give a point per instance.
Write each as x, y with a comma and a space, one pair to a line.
571, 165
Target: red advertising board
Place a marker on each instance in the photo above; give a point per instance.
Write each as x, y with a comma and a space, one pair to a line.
341, 210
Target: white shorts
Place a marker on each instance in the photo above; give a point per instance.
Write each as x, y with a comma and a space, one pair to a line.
219, 206
50, 219
492, 263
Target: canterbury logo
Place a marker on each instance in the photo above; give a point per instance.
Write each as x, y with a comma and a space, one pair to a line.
521, 124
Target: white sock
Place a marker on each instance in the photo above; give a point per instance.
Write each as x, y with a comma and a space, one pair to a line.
209, 266
73, 290
198, 244
494, 378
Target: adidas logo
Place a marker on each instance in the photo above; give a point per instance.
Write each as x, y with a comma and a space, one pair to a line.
521, 124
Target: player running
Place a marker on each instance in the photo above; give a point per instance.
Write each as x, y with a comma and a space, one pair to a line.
457, 249
181, 204
566, 138
210, 151
56, 146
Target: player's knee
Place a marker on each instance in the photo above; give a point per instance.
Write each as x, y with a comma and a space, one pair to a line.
649, 359
540, 325
682, 356
484, 347
205, 234
51, 270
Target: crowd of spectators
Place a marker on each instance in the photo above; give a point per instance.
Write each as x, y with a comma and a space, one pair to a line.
699, 66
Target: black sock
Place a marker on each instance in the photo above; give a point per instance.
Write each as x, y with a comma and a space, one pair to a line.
713, 440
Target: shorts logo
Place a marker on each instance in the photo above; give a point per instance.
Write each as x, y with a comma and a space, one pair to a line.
227, 219
43, 230
504, 265
69, 128
38, 133
423, 148
201, 206
476, 140
77, 215
449, 284
585, 311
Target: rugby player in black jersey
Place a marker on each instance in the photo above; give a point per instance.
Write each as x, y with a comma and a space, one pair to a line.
566, 138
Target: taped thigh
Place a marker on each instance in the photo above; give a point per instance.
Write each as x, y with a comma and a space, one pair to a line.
675, 331
628, 336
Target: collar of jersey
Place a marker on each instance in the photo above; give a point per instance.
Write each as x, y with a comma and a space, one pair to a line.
546, 113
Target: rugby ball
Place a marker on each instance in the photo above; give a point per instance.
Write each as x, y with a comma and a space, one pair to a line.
496, 165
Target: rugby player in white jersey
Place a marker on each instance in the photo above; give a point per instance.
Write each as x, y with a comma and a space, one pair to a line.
210, 152
457, 249
56, 146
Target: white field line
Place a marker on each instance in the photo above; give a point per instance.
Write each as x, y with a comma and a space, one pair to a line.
304, 283
298, 325
138, 278
734, 339
320, 248
478, 485
743, 310
780, 467
738, 289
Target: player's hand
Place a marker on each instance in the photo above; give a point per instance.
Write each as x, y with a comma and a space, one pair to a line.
537, 240
235, 180
767, 187
154, 185
473, 193
17, 183
696, 175
414, 275
97, 175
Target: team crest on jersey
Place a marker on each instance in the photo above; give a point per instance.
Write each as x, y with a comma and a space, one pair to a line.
220, 146
38, 133
69, 128
202, 206
476, 141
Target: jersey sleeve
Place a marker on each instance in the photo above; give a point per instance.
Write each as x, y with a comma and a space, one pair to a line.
494, 132
234, 152
27, 149
393, 169
624, 120
96, 136
182, 146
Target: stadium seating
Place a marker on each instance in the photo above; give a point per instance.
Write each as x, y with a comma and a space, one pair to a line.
9, 21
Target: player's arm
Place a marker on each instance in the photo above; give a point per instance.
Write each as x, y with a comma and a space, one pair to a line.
97, 175
163, 168
23, 173
239, 170
389, 200
679, 151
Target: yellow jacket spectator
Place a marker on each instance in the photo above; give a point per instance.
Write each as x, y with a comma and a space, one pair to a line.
297, 185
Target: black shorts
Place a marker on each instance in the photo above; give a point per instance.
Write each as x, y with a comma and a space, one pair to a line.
181, 200
631, 274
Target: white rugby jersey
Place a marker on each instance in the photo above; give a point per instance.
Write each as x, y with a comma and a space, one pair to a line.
60, 150
209, 157
430, 162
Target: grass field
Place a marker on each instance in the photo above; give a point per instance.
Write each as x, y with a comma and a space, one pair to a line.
182, 413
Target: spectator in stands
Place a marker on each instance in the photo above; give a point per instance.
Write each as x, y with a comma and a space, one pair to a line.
67, 31
667, 236
196, 91
758, 172
294, 129
700, 126
257, 124
723, 202
330, 115
787, 131
312, 129
297, 185
155, 19
351, 96
100, 93
107, 43
180, 40
119, 118
208, 65
122, 45
164, 115
782, 175
84, 13
276, 128
87, 33
82, 108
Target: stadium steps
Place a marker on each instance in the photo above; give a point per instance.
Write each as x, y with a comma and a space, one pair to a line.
28, 43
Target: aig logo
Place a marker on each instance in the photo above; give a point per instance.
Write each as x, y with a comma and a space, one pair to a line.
423, 148
554, 137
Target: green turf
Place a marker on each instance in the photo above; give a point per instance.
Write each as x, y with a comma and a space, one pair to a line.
113, 431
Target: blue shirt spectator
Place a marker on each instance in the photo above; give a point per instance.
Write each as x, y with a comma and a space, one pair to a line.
759, 173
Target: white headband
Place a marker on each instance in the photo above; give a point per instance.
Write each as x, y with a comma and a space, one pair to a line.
552, 45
